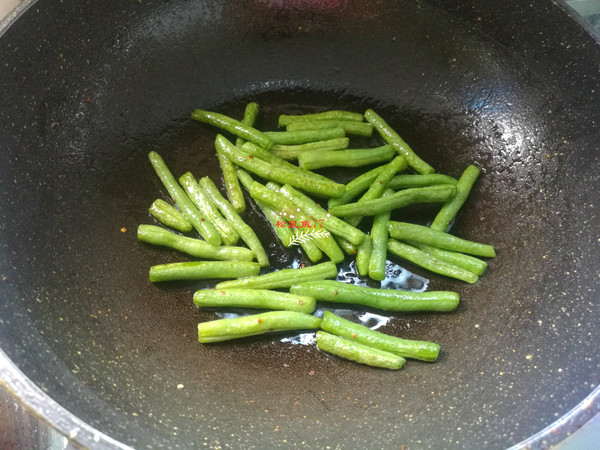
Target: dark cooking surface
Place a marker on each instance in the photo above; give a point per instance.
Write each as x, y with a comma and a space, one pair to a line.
521, 350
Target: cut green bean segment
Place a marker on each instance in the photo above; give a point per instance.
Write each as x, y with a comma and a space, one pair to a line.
286, 119
254, 298
187, 207
384, 299
350, 126
304, 136
392, 138
331, 223
232, 184
467, 262
197, 270
208, 209
379, 239
415, 181
250, 114
363, 254
355, 187
411, 232
269, 171
463, 187
283, 278
407, 348
429, 262
347, 247
400, 199
345, 158
195, 247
291, 152
170, 216
269, 322
246, 233
358, 352
234, 126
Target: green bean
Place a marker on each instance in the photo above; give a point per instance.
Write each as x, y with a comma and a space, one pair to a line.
407, 348
450, 208
170, 216
411, 232
363, 254
414, 181
291, 152
254, 298
283, 278
400, 199
392, 138
318, 159
349, 126
250, 114
347, 247
204, 204
238, 224
187, 207
429, 262
235, 127
269, 171
304, 136
357, 352
285, 119
232, 184
379, 238
467, 262
331, 223
384, 299
240, 327
355, 187
195, 247
196, 270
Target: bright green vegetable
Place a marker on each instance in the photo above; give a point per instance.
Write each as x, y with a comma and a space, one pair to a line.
187, 207
291, 152
238, 224
411, 232
318, 159
195, 247
363, 255
347, 247
429, 262
355, 187
379, 239
197, 270
254, 298
234, 126
250, 114
204, 204
392, 138
349, 126
283, 278
304, 136
358, 352
169, 215
423, 350
414, 181
450, 208
467, 262
240, 327
285, 119
385, 299
400, 199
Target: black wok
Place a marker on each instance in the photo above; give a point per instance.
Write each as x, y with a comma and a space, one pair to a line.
88, 88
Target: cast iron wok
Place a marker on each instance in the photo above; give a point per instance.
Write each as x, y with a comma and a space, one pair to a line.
88, 88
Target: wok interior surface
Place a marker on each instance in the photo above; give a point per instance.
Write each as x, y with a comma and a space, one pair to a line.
89, 88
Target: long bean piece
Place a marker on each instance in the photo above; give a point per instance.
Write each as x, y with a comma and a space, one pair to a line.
197, 270
411, 232
345, 158
363, 255
407, 348
291, 152
414, 181
400, 199
234, 126
187, 207
286, 119
240, 327
355, 187
254, 298
385, 299
429, 262
195, 247
304, 136
283, 278
467, 262
379, 239
170, 216
358, 352
463, 187
349, 126
246, 232
204, 204
392, 138
250, 114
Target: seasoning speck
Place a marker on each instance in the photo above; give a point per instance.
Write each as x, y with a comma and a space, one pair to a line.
123, 230
180, 386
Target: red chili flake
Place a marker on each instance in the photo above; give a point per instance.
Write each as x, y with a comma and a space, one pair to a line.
88, 100
335, 292
259, 320
201, 220
250, 156
353, 335
222, 292
302, 266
